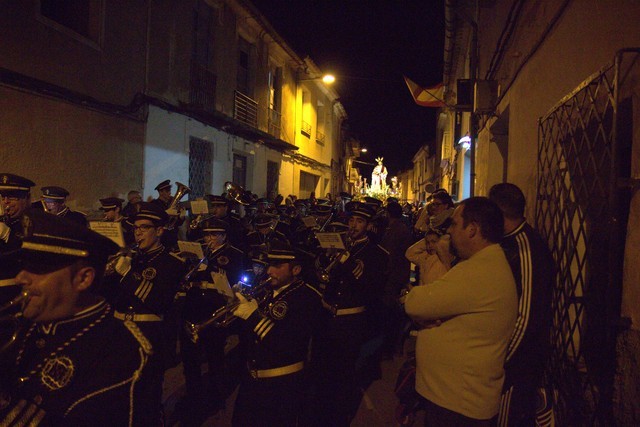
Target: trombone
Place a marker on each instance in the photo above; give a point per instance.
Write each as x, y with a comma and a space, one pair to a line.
222, 317
9, 323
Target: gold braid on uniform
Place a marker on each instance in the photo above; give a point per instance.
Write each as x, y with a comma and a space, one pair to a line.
145, 350
60, 348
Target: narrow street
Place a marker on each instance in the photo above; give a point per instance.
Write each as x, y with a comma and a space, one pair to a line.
376, 410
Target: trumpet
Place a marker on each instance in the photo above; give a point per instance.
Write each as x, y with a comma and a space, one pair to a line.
223, 317
9, 324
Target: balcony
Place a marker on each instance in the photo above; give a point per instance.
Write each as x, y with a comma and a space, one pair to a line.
320, 137
305, 129
245, 110
275, 122
202, 88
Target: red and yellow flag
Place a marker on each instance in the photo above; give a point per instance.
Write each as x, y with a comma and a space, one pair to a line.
426, 97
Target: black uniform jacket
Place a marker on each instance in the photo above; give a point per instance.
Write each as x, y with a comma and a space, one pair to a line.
345, 290
281, 329
201, 300
78, 371
151, 284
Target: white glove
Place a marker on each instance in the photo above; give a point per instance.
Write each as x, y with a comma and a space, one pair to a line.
245, 308
123, 265
4, 232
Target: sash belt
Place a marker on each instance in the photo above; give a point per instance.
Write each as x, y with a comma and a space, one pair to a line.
277, 372
137, 317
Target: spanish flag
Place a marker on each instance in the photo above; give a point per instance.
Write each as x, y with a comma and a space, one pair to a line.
426, 97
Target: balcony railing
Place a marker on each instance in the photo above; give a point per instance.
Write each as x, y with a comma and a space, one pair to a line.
320, 137
202, 88
305, 128
246, 109
275, 122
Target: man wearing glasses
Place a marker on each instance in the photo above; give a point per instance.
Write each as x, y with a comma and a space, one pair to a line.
149, 281
15, 200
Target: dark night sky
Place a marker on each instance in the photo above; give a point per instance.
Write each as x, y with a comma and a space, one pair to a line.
369, 46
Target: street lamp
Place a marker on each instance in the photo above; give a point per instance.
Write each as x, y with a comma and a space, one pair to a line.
326, 79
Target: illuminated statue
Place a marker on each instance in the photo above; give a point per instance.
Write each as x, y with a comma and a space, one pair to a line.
379, 176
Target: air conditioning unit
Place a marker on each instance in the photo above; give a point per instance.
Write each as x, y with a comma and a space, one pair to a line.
486, 96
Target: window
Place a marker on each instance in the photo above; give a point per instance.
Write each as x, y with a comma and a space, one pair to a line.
308, 183
200, 167
273, 176
240, 170
75, 17
244, 73
320, 113
202, 89
305, 124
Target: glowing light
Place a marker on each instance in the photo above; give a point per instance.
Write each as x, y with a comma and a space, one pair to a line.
328, 78
245, 279
363, 150
465, 142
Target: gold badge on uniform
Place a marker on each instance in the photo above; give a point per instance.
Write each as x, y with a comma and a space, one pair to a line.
223, 260
279, 310
149, 273
57, 372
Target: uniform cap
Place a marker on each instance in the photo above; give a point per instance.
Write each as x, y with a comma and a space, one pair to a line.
164, 184
215, 225
263, 220
152, 212
52, 242
322, 209
280, 252
372, 201
54, 193
360, 209
11, 182
216, 200
110, 203
259, 255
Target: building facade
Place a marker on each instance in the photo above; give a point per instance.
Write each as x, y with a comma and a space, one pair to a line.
124, 95
555, 112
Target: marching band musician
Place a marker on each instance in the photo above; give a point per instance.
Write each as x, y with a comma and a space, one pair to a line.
264, 232
15, 200
73, 362
279, 332
236, 234
352, 302
112, 208
145, 286
54, 200
202, 298
170, 237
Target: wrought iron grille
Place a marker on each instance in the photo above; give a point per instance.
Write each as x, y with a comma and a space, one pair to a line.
246, 109
581, 212
200, 167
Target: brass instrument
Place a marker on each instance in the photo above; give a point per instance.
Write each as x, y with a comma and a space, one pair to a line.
110, 267
182, 191
9, 324
197, 221
223, 317
236, 193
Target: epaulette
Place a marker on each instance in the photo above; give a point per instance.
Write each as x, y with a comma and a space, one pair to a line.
139, 336
383, 249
